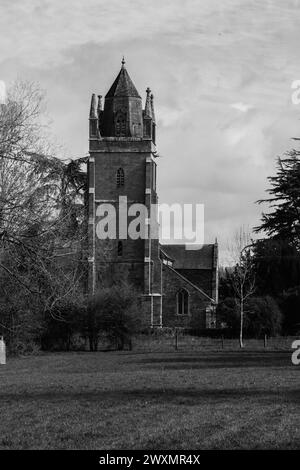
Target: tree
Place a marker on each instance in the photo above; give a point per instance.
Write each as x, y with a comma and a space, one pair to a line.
115, 310
42, 211
289, 302
225, 284
283, 222
242, 277
228, 315
277, 258
277, 266
61, 332
262, 315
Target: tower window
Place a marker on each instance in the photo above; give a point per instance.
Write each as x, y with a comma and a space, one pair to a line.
120, 248
182, 302
120, 177
120, 125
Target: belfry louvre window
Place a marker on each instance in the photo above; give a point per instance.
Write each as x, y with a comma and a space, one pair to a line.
182, 302
120, 125
120, 177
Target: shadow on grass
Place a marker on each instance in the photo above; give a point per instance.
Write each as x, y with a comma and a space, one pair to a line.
179, 396
221, 361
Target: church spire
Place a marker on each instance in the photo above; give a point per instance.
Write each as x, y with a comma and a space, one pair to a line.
123, 115
123, 85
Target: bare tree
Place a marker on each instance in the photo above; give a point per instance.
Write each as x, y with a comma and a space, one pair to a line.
242, 276
42, 213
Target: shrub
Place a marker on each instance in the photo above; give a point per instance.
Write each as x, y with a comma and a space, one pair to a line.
63, 325
262, 315
115, 310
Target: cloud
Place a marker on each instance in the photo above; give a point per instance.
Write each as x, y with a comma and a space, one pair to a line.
41, 34
168, 116
2, 92
221, 73
243, 107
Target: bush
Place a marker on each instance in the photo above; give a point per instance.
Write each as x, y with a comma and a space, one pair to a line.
228, 315
21, 329
116, 311
262, 315
63, 325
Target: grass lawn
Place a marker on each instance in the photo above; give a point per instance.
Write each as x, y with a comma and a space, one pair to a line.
128, 400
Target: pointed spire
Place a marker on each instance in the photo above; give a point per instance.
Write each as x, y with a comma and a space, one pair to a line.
99, 107
123, 85
93, 109
122, 115
152, 107
148, 107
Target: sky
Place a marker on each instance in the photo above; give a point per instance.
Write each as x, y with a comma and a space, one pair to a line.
221, 73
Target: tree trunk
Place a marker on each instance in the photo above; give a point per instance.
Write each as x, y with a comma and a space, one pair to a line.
120, 343
241, 323
91, 345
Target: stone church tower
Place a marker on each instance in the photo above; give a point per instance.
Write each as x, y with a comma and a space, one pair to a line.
177, 286
122, 172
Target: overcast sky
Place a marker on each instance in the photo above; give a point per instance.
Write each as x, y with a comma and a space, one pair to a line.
221, 73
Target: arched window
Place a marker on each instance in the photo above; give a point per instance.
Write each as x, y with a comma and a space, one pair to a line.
120, 177
120, 248
182, 302
120, 125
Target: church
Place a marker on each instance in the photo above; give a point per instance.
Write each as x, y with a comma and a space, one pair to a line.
178, 287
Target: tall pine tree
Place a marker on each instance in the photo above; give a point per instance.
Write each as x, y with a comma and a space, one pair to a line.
283, 222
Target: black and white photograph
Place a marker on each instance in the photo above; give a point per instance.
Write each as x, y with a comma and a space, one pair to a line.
150, 231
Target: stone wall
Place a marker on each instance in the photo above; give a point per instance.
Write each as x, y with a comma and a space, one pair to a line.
198, 303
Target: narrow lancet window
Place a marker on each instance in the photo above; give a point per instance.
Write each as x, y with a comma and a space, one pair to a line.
182, 302
120, 177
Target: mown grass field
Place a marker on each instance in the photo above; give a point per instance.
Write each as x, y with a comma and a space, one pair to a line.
130, 400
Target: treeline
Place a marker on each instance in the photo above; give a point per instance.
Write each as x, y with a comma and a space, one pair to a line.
44, 302
43, 249
110, 319
42, 221
265, 279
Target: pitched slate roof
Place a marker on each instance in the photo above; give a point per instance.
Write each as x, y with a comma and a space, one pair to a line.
201, 258
188, 281
122, 86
